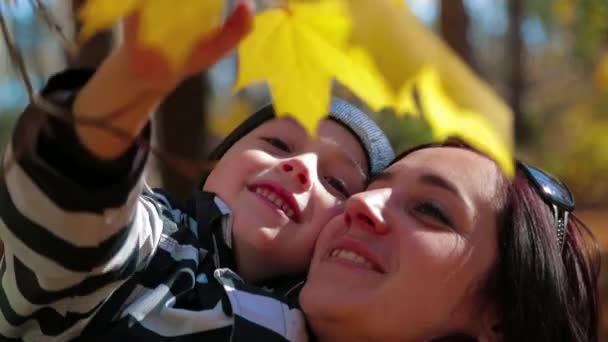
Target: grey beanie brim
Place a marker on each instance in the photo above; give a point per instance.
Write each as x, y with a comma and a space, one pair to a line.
377, 148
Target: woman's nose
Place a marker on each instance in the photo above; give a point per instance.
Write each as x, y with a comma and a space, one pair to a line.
298, 172
364, 211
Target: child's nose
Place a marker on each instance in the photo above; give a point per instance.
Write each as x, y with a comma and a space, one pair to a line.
298, 172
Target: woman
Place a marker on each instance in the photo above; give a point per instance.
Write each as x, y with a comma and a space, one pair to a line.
443, 247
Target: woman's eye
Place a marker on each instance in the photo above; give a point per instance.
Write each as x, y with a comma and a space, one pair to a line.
278, 143
435, 212
338, 185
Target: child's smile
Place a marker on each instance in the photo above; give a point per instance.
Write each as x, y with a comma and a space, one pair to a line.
278, 198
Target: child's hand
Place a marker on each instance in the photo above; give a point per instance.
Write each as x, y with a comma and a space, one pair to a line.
134, 79
150, 66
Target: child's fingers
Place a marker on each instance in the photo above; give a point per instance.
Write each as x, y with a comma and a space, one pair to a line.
131, 28
150, 64
219, 42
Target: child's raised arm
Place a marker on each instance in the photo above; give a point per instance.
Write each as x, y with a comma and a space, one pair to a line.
73, 221
133, 80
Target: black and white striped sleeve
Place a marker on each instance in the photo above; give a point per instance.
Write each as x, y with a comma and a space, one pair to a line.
74, 227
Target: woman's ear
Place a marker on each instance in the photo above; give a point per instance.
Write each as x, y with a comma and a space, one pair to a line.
490, 330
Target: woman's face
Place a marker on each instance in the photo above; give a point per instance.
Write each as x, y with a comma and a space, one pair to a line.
408, 258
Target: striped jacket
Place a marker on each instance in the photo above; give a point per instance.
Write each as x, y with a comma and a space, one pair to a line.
92, 253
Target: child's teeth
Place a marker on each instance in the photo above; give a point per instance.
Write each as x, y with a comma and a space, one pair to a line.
289, 212
274, 198
278, 202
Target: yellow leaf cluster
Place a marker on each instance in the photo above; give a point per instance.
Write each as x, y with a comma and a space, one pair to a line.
380, 52
447, 119
360, 74
97, 15
296, 50
171, 27
377, 49
403, 51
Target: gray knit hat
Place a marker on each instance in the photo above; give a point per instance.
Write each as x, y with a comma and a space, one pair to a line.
377, 148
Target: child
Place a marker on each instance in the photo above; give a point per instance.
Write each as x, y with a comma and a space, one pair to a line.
89, 252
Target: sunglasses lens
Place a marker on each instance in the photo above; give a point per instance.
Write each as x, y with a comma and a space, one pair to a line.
552, 189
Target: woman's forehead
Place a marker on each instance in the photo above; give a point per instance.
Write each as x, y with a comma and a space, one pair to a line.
444, 158
465, 167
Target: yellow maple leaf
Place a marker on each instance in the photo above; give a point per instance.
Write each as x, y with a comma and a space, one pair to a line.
296, 49
171, 27
182, 24
400, 47
444, 116
98, 15
447, 119
359, 73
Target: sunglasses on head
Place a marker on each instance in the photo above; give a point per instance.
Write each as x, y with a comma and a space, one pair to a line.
555, 193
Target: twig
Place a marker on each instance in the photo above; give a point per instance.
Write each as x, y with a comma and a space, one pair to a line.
16, 57
67, 43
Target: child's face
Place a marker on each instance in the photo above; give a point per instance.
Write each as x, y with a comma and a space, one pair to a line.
283, 186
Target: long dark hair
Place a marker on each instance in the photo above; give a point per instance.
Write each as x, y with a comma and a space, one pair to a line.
541, 292
544, 293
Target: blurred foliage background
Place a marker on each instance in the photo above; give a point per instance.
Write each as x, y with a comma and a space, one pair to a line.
547, 58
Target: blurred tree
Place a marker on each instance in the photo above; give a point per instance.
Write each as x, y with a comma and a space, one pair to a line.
516, 75
94, 50
181, 131
580, 23
454, 23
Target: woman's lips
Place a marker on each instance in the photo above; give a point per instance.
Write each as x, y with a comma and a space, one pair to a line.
357, 254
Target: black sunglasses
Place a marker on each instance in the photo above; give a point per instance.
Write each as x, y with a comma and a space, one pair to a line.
555, 193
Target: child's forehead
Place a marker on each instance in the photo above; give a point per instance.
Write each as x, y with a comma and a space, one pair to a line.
292, 125
295, 129
286, 124
284, 121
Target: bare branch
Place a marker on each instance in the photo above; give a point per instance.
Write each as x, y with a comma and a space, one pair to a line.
190, 169
68, 44
16, 57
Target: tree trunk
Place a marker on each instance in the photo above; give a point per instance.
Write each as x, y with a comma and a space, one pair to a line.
516, 79
94, 50
454, 22
181, 132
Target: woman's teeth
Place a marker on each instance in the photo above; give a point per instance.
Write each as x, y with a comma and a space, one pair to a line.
278, 201
351, 256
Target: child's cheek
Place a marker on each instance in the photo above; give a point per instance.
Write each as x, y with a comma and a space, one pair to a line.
256, 161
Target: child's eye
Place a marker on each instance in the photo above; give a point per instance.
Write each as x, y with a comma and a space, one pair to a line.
338, 185
278, 143
434, 211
